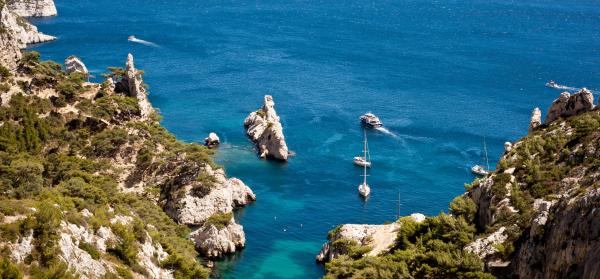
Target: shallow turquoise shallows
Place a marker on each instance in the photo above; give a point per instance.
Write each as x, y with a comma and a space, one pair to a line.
441, 75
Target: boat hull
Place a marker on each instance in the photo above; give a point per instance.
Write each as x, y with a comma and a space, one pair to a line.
359, 161
479, 170
364, 190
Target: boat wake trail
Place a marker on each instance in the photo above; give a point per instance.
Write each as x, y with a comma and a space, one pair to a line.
386, 131
143, 42
564, 87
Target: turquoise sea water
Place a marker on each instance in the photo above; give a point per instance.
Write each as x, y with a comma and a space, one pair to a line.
442, 75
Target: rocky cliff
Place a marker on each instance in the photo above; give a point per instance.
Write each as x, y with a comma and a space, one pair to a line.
16, 33
535, 216
265, 130
94, 186
32, 8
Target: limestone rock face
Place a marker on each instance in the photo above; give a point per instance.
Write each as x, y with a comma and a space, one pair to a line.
378, 237
132, 85
536, 119
568, 105
569, 247
265, 130
32, 8
23, 32
486, 246
215, 242
10, 46
74, 64
224, 196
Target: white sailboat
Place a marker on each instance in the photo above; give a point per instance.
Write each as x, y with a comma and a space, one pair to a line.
481, 170
365, 160
363, 189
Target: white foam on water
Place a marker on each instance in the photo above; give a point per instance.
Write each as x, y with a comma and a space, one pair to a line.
143, 42
386, 131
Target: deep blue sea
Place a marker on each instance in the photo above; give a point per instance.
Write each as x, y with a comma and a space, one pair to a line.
441, 75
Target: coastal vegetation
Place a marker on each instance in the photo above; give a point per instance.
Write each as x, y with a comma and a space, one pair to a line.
55, 170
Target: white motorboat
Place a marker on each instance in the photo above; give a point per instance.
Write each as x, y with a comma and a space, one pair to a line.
370, 120
552, 84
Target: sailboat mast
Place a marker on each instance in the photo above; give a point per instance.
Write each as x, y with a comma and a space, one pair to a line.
398, 205
365, 156
487, 163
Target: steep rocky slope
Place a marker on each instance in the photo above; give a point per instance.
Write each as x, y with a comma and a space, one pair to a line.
16, 32
535, 216
93, 186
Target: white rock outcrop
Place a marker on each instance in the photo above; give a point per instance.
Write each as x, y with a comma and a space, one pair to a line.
150, 251
74, 64
379, 238
132, 84
227, 194
486, 246
568, 105
536, 119
215, 242
32, 8
24, 32
212, 140
20, 250
10, 46
265, 130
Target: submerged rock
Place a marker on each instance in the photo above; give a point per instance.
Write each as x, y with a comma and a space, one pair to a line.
568, 105
74, 64
265, 130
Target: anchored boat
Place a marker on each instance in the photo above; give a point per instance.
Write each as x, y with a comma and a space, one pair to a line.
363, 189
478, 169
365, 160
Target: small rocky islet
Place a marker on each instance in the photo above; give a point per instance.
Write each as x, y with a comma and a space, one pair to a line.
94, 187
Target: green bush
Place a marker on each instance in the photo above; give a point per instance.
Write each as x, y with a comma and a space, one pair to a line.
219, 220
8, 270
464, 206
90, 249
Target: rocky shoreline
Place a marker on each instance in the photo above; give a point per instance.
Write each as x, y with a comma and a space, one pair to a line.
120, 128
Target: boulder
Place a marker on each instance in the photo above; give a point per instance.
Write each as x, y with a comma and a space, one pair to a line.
214, 242
508, 146
569, 105
225, 195
74, 64
265, 130
536, 119
212, 140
